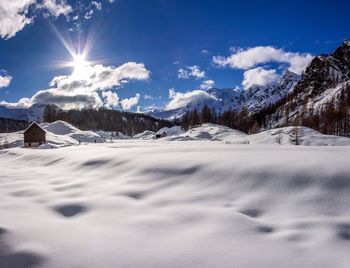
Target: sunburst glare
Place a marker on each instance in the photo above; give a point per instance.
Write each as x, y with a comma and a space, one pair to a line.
79, 65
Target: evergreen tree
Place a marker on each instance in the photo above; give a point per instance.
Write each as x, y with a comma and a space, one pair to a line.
206, 116
194, 118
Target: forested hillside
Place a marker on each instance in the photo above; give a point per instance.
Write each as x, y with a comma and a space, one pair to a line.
12, 125
105, 119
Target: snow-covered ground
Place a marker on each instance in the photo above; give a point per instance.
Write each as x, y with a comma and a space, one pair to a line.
279, 136
60, 134
175, 204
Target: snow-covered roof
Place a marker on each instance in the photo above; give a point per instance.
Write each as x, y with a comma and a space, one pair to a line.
32, 124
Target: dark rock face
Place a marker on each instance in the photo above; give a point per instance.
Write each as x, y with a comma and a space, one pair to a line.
324, 73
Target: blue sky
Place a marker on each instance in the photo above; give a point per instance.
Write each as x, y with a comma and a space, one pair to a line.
149, 47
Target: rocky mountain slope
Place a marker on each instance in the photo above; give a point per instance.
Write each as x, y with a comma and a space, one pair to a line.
324, 85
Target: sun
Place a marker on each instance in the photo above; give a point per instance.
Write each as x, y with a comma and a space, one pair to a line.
79, 65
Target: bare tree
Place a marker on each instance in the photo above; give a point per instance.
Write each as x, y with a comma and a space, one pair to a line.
278, 138
296, 134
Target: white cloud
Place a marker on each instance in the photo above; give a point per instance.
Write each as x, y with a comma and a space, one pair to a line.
129, 103
180, 100
207, 84
148, 97
190, 71
204, 51
259, 77
99, 77
88, 15
83, 90
98, 5
183, 74
91, 9
55, 7
14, 14
152, 108
5, 80
111, 99
251, 57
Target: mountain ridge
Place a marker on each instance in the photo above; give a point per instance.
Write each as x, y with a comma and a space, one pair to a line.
255, 98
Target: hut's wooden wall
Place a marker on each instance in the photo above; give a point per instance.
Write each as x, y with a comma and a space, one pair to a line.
34, 134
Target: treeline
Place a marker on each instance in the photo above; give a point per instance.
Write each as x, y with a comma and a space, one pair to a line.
333, 118
105, 119
12, 125
231, 118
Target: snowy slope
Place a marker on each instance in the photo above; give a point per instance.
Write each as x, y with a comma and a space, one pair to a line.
175, 204
210, 132
213, 132
63, 128
309, 137
257, 98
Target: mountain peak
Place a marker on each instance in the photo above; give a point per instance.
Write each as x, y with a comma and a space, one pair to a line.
290, 74
346, 43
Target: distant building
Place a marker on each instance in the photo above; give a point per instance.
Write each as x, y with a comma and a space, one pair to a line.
34, 135
161, 135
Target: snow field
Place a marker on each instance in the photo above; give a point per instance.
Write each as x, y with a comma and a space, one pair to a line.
175, 204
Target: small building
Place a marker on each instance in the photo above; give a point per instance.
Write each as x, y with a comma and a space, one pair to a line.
34, 135
161, 135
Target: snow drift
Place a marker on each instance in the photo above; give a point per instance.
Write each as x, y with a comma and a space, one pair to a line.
175, 204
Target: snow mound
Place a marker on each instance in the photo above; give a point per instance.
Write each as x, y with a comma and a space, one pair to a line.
211, 132
171, 131
284, 136
60, 128
146, 135
48, 146
63, 128
111, 135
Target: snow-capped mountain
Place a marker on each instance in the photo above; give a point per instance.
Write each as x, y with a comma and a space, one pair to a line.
257, 98
33, 113
254, 98
322, 82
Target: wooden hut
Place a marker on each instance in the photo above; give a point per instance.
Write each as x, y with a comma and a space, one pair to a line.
161, 135
34, 135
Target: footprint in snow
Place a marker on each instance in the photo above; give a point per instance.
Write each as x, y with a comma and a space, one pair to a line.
343, 231
251, 212
70, 210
